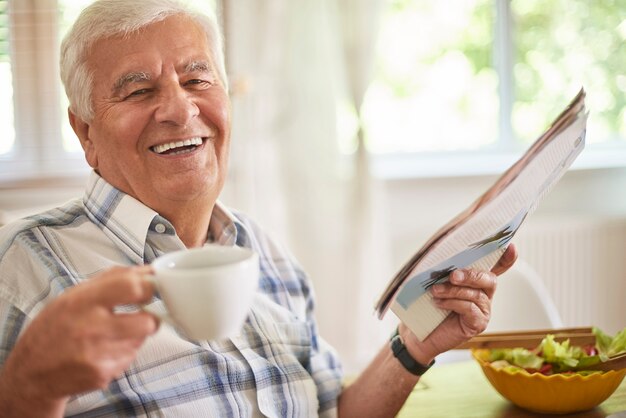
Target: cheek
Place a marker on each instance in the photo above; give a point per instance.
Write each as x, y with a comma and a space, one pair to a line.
224, 115
217, 110
120, 129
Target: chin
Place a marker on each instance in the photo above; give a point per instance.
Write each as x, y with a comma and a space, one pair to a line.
194, 189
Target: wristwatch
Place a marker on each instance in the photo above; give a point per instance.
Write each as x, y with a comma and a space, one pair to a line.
404, 357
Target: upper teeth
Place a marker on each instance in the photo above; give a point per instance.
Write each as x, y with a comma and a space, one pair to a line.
176, 144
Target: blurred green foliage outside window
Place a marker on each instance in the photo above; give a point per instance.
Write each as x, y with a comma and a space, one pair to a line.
481, 75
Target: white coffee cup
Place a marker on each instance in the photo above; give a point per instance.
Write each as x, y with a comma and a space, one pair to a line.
207, 291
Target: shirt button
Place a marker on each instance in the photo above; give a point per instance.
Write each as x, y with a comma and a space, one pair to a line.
160, 228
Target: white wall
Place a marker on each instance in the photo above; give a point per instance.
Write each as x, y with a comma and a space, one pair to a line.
422, 205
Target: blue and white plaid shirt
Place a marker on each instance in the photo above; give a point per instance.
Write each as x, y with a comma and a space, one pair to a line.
278, 366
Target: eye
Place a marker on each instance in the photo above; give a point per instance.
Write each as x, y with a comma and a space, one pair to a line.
197, 83
138, 93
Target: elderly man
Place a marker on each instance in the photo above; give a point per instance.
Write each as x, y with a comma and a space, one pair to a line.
149, 103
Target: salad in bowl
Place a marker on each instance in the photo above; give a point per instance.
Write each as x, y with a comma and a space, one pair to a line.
551, 356
555, 377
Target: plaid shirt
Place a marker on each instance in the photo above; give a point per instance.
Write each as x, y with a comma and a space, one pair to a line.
278, 366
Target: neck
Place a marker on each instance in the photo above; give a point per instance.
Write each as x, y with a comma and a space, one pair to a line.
191, 223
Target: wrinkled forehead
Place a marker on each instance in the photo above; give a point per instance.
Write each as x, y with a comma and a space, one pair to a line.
176, 42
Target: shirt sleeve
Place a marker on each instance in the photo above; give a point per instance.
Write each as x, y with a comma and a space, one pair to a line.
12, 320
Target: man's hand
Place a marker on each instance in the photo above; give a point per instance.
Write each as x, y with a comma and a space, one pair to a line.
77, 343
468, 294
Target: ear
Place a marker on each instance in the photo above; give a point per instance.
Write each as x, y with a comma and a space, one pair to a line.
81, 129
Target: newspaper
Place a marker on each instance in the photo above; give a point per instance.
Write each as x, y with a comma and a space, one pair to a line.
478, 236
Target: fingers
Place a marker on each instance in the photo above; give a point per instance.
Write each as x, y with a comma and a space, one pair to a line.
93, 301
461, 293
132, 325
461, 282
119, 286
468, 293
471, 307
506, 261
462, 300
469, 316
475, 279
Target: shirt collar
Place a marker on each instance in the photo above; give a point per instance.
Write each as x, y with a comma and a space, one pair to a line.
223, 227
126, 221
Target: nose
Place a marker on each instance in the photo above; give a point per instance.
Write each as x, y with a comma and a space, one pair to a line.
176, 106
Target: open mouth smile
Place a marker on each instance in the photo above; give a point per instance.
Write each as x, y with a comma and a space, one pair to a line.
178, 147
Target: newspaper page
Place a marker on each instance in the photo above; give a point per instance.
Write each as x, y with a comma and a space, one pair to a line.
479, 236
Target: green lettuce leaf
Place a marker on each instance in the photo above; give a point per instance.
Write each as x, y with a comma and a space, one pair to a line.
561, 356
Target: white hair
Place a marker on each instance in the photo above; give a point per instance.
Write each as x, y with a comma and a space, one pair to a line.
106, 18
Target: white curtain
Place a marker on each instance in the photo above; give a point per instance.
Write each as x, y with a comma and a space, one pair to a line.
289, 64
359, 22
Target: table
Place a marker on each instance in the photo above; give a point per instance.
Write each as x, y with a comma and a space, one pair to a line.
460, 390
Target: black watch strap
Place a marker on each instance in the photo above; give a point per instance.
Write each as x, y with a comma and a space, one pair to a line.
404, 357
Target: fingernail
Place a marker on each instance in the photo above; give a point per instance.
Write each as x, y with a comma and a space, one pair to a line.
457, 276
438, 288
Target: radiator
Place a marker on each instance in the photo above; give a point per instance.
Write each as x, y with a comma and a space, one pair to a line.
583, 264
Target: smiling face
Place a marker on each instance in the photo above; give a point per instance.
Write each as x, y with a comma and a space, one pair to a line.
161, 126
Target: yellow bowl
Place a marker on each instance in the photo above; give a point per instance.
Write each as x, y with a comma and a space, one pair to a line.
555, 394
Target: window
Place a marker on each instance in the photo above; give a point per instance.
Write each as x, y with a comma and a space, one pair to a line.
435, 88
562, 44
488, 76
472, 76
35, 147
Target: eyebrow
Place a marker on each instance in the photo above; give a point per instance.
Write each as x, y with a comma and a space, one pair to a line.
126, 79
199, 66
